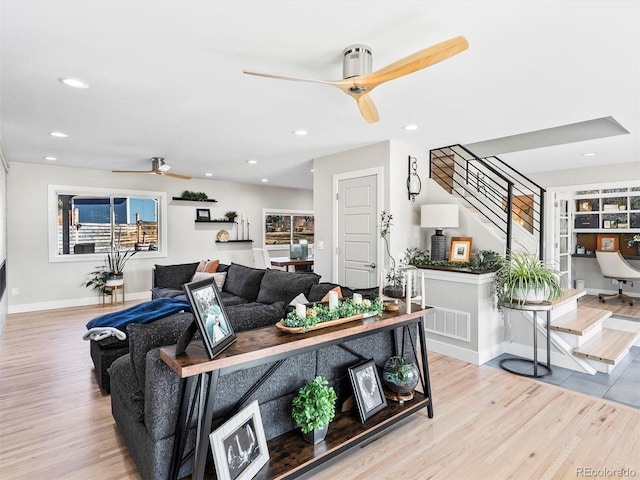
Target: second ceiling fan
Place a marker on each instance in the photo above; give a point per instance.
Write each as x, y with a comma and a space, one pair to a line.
359, 80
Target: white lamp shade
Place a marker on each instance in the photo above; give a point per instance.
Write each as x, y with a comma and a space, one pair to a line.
439, 216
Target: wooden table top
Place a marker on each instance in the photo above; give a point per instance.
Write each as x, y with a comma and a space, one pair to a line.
286, 261
266, 343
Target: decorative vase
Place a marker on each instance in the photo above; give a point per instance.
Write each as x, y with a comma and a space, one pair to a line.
317, 435
115, 279
393, 282
400, 375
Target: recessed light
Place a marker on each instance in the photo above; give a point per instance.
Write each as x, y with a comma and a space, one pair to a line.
208, 174
264, 180
589, 154
300, 132
51, 159
410, 127
252, 162
311, 170
58, 134
73, 82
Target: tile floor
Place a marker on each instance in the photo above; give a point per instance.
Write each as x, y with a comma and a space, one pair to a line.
622, 385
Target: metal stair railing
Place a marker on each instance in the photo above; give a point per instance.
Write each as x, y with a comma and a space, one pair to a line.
492, 188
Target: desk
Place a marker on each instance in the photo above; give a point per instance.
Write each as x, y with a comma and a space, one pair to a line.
296, 262
535, 308
268, 344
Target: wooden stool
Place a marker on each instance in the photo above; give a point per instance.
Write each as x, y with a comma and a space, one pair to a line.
114, 293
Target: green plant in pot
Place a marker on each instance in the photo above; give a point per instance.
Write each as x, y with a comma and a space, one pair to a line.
231, 215
523, 278
393, 275
313, 408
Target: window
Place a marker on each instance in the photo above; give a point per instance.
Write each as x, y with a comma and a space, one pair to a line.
84, 221
285, 227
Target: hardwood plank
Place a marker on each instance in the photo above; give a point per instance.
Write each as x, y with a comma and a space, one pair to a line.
609, 346
488, 424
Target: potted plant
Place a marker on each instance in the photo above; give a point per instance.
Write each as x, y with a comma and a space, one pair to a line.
231, 215
116, 260
400, 375
313, 408
522, 277
393, 275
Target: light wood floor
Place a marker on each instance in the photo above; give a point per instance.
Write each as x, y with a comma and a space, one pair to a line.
615, 306
488, 424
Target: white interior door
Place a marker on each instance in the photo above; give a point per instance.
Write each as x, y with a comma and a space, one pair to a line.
357, 239
563, 244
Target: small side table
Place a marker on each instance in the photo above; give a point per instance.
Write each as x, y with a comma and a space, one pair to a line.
114, 293
546, 369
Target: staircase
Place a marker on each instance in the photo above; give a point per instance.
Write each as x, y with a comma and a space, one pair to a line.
499, 194
577, 332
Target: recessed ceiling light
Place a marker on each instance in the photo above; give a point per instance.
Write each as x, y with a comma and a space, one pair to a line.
589, 154
208, 174
311, 170
264, 180
51, 159
252, 162
73, 82
410, 127
58, 134
300, 132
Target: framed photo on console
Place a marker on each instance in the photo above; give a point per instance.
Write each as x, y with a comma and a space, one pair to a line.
460, 250
239, 446
210, 315
367, 389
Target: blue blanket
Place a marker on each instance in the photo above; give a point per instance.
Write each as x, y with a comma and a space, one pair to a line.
145, 312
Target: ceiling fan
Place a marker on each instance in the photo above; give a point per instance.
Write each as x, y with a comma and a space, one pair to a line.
358, 79
158, 167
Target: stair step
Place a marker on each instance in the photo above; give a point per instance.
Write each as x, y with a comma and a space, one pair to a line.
579, 321
610, 346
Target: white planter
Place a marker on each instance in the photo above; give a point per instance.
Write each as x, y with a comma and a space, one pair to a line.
115, 281
530, 296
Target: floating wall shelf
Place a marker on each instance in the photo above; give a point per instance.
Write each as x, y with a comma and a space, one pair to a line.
235, 241
210, 200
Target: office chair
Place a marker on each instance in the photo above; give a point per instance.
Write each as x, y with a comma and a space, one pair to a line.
614, 266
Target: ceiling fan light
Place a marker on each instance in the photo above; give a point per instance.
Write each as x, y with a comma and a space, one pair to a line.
164, 167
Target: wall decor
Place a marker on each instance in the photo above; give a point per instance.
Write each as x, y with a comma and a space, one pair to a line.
203, 214
367, 389
608, 243
239, 446
460, 250
210, 315
414, 185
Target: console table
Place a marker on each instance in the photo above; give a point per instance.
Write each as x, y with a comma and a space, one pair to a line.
269, 344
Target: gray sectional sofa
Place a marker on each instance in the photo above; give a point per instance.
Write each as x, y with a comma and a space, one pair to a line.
146, 394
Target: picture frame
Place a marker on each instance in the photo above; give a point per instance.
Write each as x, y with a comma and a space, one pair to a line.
460, 250
203, 214
210, 315
607, 243
239, 446
584, 206
367, 389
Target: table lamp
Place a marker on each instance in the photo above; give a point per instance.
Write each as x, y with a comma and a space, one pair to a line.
439, 216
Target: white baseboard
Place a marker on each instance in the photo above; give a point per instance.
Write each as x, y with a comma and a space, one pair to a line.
68, 303
466, 355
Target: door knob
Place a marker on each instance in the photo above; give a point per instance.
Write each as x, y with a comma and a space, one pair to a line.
372, 265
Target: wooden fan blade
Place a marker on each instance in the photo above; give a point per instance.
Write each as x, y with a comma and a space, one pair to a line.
419, 60
131, 171
176, 175
367, 108
286, 77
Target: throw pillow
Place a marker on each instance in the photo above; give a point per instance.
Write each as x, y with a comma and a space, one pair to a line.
174, 276
243, 281
299, 299
198, 276
209, 266
336, 289
281, 286
319, 290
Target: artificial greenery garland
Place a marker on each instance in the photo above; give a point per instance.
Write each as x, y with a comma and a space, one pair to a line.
320, 313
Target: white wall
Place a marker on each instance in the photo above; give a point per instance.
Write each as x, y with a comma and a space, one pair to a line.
44, 285
4, 302
621, 172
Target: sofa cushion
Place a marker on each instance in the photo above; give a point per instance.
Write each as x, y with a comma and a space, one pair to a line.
145, 337
158, 292
281, 286
219, 277
243, 281
229, 299
174, 276
255, 315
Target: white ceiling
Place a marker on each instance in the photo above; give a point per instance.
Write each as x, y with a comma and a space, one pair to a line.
166, 80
